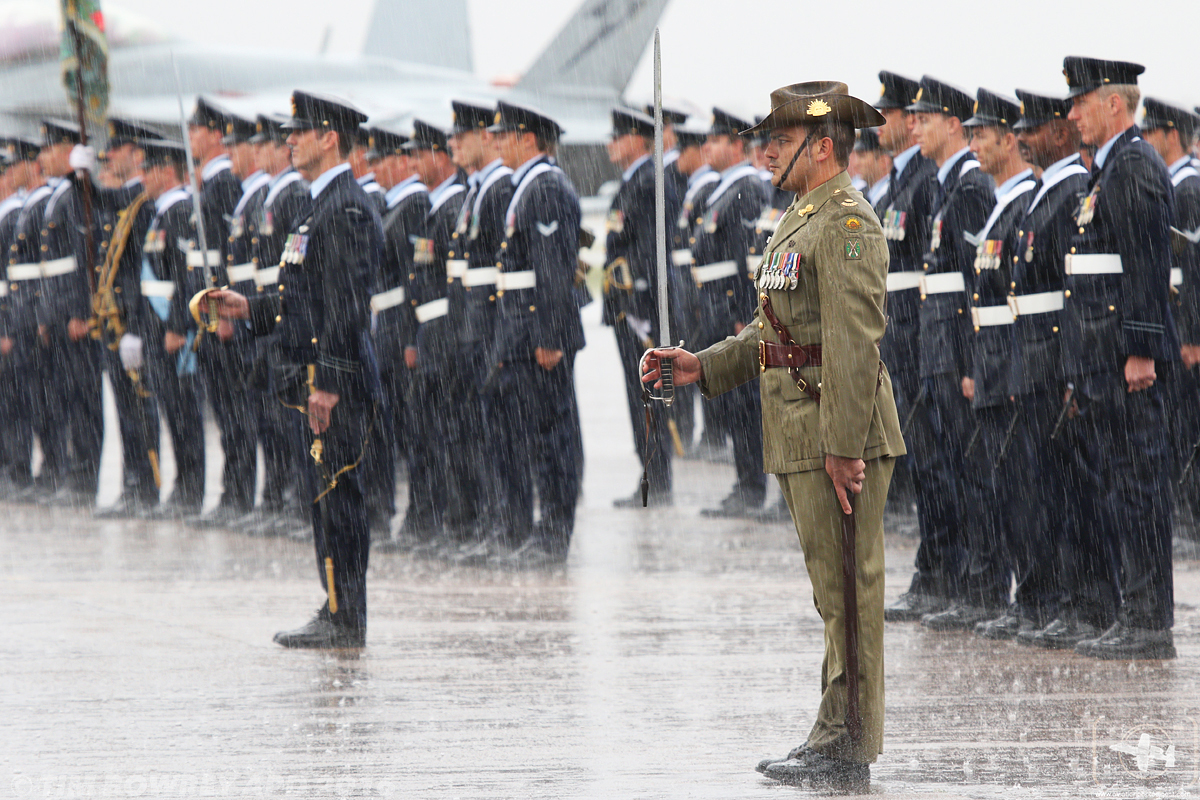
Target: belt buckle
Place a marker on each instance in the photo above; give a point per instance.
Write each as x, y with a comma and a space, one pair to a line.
1012, 306
801, 384
762, 356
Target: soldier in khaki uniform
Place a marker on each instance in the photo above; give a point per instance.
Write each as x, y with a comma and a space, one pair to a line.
830, 427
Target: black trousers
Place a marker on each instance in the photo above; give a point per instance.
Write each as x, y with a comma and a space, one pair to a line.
537, 449
740, 411
987, 527
226, 370
17, 380
470, 440
341, 535
426, 452
655, 455
941, 424
1122, 461
1041, 510
179, 398
137, 416
73, 415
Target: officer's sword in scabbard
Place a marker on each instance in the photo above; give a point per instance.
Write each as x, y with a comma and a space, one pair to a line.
850, 604
197, 208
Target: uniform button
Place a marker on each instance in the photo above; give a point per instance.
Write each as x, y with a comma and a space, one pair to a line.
926, 266
314, 340
492, 297
412, 276
533, 308
254, 240
729, 292
254, 260
499, 265
499, 293
960, 311
1072, 249
279, 319
1055, 329
1012, 285
190, 268
504, 245
1014, 259
975, 297
1067, 293
1020, 233
231, 239
1081, 230
454, 235
281, 287
104, 245
760, 326
1112, 308
260, 288
450, 254
117, 289
692, 240
45, 248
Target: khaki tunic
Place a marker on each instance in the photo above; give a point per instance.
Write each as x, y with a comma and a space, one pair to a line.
838, 302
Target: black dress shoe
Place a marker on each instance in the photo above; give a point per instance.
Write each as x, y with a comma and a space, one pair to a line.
126, 509
959, 617
793, 753
653, 500
1123, 641
1061, 634
735, 506
813, 769
1007, 626
322, 632
912, 606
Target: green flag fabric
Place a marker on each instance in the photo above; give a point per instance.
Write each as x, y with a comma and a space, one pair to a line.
85, 55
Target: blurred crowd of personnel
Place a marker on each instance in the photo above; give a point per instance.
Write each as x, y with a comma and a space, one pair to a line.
474, 326
1043, 337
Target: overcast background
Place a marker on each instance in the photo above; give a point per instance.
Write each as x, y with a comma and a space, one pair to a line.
734, 52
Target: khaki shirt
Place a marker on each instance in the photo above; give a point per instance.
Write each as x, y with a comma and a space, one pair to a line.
840, 266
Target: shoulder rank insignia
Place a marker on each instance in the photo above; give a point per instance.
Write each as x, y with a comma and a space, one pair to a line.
848, 203
806, 210
853, 249
852, 224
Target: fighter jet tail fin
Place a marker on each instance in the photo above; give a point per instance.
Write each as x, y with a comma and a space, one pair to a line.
598, 48
432, 32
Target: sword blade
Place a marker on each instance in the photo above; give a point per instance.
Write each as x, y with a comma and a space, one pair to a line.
191, 168
660, 202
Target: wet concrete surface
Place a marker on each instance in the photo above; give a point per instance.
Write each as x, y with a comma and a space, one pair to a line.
668, 656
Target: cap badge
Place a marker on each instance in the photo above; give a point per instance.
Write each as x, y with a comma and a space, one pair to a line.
1022, 108
882, 89
229, 127
920, 91
975, 110
295, 110
818, 108
497, 118
853, 224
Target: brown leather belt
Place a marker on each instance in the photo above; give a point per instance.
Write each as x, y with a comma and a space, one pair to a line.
794, 356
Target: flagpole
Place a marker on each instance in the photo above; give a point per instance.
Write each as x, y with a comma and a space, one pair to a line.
83, 183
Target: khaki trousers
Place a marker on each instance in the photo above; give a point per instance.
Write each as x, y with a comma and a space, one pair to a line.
818, 517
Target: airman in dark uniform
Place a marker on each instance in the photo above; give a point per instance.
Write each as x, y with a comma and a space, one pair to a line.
538, 333
168, 330
1118, 332
1040, 513
964, 196
321, 313
631, 290
988, 480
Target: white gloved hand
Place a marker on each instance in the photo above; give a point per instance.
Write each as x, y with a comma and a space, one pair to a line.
130, 350
83, 157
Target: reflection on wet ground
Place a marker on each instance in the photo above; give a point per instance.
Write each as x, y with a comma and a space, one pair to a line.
670, 654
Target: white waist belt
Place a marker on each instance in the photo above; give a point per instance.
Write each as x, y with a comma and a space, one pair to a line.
433, 309
681, 258
1176, 276
714, 272
241, 272
195, 258
265, 277
899, 281
59, 266
480, 276
988, 316
165, 289
24, 272
456, 268
752, 263
507, 281
942, 283
389, 299
3, 288
1040, 303
1094, 264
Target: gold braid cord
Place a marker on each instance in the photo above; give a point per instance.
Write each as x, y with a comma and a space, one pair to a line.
104, 301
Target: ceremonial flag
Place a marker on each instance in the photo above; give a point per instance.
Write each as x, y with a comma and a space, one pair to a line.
85, 59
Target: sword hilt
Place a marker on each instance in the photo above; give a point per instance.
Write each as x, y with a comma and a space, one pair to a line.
665, 394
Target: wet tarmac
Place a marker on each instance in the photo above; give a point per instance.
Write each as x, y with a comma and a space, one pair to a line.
668, 656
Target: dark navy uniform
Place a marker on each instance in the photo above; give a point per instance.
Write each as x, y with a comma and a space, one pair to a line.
631, 297
726, 252
436, 336
538, 309
1117, 305
321, 314
471, 277
906, 213
396, 330
1041, 513
367, 180
226, 364
964, 197
990, 479
167, 284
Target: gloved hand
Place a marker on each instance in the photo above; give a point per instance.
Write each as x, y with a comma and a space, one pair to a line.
130, 350
83, 157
